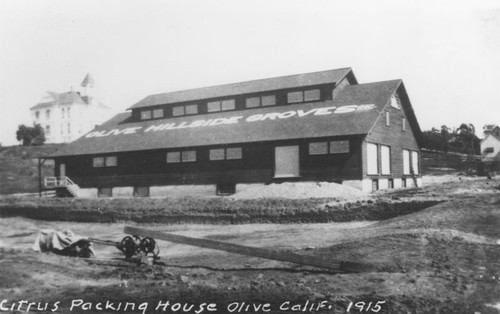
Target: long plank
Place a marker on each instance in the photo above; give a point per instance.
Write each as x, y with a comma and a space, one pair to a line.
251, 251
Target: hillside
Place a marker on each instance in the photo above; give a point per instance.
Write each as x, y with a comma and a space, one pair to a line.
19, 172
19, 167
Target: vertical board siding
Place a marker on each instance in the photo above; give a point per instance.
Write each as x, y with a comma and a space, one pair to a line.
393, 136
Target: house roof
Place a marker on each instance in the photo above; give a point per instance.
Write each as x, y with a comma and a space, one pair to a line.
262, 85
53, 98
353, 112
88, 81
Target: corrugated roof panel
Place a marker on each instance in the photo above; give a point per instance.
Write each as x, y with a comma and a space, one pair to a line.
353, 111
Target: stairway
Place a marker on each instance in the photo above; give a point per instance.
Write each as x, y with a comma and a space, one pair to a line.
63, 186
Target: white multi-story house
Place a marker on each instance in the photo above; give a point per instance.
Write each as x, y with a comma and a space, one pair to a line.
67, 116
490, 149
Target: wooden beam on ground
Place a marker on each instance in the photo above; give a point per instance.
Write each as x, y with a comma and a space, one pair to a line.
251, 251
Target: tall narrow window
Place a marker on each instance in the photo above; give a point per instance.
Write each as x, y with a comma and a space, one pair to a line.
47, 130
371, 158
68, 113
385, 156
37, 115
403, 124
414, 162
47, 114
387, 118
406, 161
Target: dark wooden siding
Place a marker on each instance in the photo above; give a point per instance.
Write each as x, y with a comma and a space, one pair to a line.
394, 137
149, 168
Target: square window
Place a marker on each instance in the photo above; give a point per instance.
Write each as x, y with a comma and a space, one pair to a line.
234, 153
313, 94
191, 109
158, 113
213, 106
141, 191
98, 162
189, 156
319, 148
294, 97
253, 102
226, 188
217, 154
228, 104
173, 157
178, 111
339, 147
111, 161
269, 100
104, 192
146, 115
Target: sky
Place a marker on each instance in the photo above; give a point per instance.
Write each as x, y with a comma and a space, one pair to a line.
446, 52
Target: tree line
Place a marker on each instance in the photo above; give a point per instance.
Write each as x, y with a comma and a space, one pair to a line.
460, 140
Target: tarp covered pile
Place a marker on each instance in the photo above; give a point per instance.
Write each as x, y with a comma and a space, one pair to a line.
63, 243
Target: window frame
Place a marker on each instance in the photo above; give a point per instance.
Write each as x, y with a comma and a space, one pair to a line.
183, 156
225, 155
305, 95
329, 146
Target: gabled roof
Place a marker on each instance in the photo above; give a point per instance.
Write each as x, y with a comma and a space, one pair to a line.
88, 81
53, 98
262, 85
353, 112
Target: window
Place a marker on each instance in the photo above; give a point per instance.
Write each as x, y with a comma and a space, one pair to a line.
226, 153
339, 147
233, 153
313, 94
37, 115
184, 110
145, 114
141, 191
375, 185
47, 130
226, 188
184, 156
331, 147
301, 96
61, 129
228, 104
489, 150
104, 192
213, 106
188, 156
414, 162
98, 162
406, 161
178, 111
385, 156
387, 118
390, 184
403, 124
319, 148
68, 113
395, 101
294, 97
47, 114
62, 112
158, 113
372, 158
109, 161
264, 101
68, 126
173, 157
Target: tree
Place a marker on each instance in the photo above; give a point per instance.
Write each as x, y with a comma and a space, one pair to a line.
34, 135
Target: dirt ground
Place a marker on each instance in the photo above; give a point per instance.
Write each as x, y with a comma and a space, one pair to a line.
443, 259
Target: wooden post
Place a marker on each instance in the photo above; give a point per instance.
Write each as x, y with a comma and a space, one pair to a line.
39, 177
252, 251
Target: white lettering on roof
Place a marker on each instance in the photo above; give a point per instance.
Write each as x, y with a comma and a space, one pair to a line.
236, 119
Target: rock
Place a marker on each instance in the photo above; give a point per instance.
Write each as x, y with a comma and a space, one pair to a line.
184, 279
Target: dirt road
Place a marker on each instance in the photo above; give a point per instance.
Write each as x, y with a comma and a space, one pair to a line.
443, 259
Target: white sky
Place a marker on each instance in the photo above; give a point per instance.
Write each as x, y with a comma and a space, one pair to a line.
446, 52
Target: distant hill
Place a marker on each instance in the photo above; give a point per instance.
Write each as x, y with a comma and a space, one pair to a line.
19, 166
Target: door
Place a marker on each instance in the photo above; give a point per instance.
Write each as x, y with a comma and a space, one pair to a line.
62, 170
286, 162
